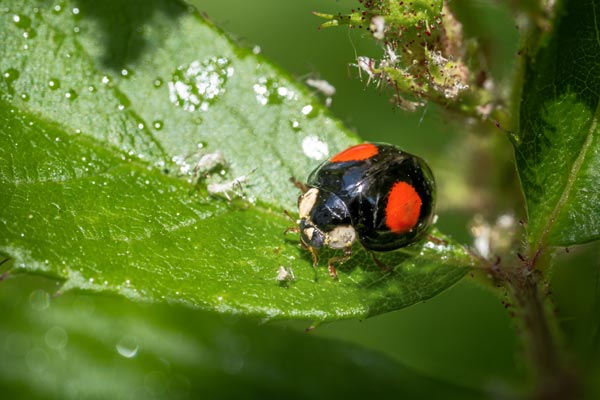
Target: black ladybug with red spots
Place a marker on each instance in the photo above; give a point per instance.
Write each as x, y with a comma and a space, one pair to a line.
375, 193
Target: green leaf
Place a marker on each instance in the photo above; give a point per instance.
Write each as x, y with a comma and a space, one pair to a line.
99, 112
558, 144
78, 346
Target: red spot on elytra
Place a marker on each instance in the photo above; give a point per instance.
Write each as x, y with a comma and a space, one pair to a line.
356, 153
403, 208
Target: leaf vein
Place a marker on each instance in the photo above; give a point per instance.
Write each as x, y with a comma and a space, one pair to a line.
573, 173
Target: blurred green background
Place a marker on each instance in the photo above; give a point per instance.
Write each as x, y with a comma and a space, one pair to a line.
463, 336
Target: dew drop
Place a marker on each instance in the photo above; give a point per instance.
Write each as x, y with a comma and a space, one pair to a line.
57, 9
37, 360
71, 95
157, 124
92, 89
157, 82
39, 300
197, 85
270, 91
10, 75
24, 97
54, 83
29, 33
22, 21
56, 338
128, 347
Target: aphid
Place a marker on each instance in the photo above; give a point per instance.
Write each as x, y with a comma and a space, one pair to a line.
227, 188
208, 163
285, 274
324, 87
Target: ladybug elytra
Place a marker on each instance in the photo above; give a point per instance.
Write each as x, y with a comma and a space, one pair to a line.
373, 193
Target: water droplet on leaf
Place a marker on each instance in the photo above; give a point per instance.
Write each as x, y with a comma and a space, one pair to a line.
37, 360
22, 21
39, 300
128, 347
54, 84
197, 85
71, 95
56, 338
270, 91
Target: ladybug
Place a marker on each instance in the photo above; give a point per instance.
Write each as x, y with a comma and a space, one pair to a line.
373, 193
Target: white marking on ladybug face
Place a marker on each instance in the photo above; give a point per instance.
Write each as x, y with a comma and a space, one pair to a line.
340, 237
309, 232
307, 202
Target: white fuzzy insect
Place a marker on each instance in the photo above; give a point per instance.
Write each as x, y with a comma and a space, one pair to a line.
366, 64
324, 87
207, 163
377, 26
285, 274
225, 189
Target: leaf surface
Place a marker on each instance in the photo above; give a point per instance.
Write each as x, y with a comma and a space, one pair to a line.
103, 117
558, 144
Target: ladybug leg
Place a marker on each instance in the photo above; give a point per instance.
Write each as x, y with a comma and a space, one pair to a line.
437, 240
332, 271
339, 260
315, 255
382, 266
301, 186
291, 229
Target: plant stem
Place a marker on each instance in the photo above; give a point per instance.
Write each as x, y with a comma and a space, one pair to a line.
554, 377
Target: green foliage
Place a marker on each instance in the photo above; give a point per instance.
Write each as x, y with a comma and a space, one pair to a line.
107, 108
98, 151
558, 144
79, 346
402, 16
424, 55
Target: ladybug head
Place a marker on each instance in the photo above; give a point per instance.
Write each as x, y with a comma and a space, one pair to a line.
324, 221
310, 234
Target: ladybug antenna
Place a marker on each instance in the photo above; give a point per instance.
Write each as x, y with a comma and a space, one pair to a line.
301, 186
